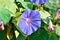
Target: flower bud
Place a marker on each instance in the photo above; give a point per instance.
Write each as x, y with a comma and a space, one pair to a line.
50, 26
1, 25
57, 14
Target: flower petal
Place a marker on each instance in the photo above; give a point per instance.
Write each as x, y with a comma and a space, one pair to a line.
39, 1
30, 21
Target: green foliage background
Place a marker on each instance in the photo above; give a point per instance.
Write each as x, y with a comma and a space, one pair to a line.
11, 10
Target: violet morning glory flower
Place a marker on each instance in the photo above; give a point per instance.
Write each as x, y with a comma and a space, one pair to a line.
30, 21
39, 1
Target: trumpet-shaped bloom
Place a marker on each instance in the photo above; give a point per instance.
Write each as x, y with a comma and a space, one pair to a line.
39, 1
30, 21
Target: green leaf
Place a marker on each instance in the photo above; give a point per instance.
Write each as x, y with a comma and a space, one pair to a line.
53, 37
5, 15
21, 37
27, 0
26, 5
52, 4
44, 15
9, 4
58, 30
39, 35
15, 22
3, 35
14, 36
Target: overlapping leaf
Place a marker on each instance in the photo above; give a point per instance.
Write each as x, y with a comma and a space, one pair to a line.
44, 15
5, 15
9, 4
26, 5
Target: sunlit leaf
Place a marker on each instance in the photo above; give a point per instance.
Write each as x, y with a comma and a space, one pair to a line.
58, 30
9, 4
5, 15
44, 15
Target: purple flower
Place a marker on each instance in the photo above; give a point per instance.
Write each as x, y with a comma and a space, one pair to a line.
39, 1
30, 21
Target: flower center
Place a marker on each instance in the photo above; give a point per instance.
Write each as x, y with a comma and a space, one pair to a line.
27, 20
